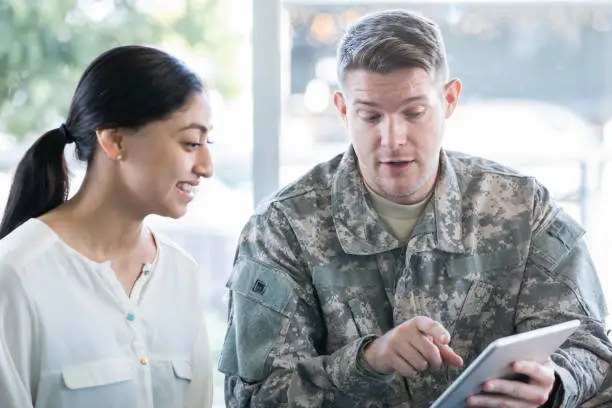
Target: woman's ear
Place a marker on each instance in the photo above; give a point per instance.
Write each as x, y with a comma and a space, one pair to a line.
110, 140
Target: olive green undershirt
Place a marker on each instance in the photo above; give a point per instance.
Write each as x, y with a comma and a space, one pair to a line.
399, 218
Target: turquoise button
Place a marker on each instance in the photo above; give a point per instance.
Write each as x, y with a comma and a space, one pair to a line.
130, 317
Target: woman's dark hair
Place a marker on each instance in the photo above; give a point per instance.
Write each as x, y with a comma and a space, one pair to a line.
127, 87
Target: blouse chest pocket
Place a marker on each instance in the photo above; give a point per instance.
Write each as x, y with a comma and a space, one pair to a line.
97, 373
102, 383
170, 381
182, 370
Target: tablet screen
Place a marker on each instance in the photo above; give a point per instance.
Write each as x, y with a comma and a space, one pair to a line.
496, 360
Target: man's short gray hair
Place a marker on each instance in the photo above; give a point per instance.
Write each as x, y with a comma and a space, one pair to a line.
393, 39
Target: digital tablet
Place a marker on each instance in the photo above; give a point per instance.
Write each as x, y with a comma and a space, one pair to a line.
496, 360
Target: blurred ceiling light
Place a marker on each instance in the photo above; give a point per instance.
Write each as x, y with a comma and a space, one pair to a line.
323, 28
317, 95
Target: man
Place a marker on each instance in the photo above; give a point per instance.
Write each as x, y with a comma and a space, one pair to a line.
372, 280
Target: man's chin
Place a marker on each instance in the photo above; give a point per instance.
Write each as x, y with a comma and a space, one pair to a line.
405, 194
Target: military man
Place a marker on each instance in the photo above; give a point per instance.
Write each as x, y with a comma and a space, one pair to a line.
372, 280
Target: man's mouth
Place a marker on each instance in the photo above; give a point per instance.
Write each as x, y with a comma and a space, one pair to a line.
397, 163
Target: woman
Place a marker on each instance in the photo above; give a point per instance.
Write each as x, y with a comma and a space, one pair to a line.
95, 309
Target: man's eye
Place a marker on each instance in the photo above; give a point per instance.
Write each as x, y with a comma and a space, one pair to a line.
415, 114
370, 117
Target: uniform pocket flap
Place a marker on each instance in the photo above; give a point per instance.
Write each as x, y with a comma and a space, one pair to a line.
475, 267
97, 373
182, 369
347, 274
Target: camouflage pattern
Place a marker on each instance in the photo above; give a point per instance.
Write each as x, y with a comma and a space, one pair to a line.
603, 399
317, 276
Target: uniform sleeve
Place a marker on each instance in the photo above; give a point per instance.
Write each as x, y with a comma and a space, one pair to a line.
603, 397
19, 351
272, 355
561, 284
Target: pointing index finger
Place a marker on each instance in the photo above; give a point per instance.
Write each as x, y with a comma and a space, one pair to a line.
432, 328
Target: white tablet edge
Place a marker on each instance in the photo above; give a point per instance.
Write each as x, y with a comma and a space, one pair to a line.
565, 328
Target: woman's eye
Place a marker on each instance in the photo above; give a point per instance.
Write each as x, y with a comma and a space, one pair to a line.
192, 146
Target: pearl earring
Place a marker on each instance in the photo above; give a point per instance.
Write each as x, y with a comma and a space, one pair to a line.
119, 157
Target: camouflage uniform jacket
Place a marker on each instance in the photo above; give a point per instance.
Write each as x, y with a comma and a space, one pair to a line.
317, 275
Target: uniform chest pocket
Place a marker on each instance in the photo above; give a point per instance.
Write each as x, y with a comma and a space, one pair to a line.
483, 275
460, 292
353, 300
487, 309
455, 290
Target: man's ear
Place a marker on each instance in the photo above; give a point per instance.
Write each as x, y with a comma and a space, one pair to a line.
340, 103
452, 90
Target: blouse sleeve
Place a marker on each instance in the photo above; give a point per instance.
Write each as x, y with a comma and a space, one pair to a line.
19, 350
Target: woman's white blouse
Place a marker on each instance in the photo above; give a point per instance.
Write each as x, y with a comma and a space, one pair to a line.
71, 337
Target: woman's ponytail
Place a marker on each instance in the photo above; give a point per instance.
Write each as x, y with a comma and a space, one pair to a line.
41, 180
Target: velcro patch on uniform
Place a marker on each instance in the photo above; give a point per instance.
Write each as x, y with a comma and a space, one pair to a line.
551, 246
263, 284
